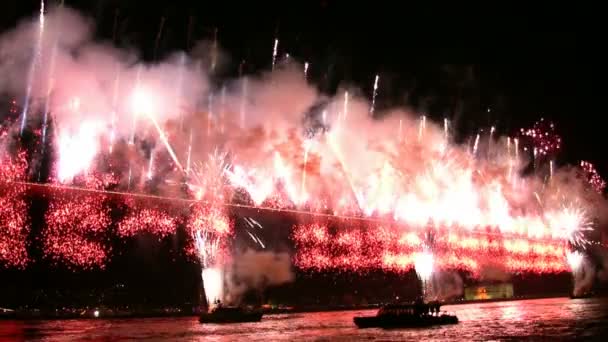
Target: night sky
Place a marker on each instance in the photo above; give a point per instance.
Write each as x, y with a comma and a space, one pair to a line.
523, 63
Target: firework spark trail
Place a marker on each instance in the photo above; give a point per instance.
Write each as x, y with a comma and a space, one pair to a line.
32, 70
49, 88
306, 70
165, 142
274, 52
372, 109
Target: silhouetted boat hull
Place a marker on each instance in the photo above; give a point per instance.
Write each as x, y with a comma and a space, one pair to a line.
230, 315
403, 321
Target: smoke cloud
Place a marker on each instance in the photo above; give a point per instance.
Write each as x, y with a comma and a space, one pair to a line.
255, 270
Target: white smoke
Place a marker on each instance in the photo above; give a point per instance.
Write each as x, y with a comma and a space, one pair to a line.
583, 277
253, 270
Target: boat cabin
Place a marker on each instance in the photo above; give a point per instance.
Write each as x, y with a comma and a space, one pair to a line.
417, 309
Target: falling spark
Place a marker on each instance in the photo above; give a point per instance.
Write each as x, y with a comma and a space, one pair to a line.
274, 52
35, 59
476, 144
550, 169
306, 70
49, 87
375, 93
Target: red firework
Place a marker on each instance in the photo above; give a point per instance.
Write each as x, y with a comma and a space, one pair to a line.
147, 220
14, 223
209, 229
593, 177
360, 249
545, 141
75, 224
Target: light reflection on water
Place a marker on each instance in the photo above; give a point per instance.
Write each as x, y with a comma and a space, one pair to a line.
552, 319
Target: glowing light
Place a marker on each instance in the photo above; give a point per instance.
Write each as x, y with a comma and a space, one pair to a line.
274, 52
423, 263
77, 151
213, 285
575, 260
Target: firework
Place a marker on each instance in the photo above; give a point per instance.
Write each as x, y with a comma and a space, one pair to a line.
209, 228
14, 224
75, 224
390, 248
375, 93
543, 138
147, 220
213, 285
77, 151
575, 260
401, 181
33, 66
423, 263
274, 52
593, 177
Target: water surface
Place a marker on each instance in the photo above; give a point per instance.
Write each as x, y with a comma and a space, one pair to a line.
542, 319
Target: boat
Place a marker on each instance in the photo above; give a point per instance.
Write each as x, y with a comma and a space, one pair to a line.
582, 295
230, 314
406, 316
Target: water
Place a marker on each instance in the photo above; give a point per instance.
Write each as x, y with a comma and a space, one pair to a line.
546, 319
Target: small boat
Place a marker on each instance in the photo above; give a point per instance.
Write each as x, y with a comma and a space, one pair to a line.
581, 295
406, 316
230, 314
